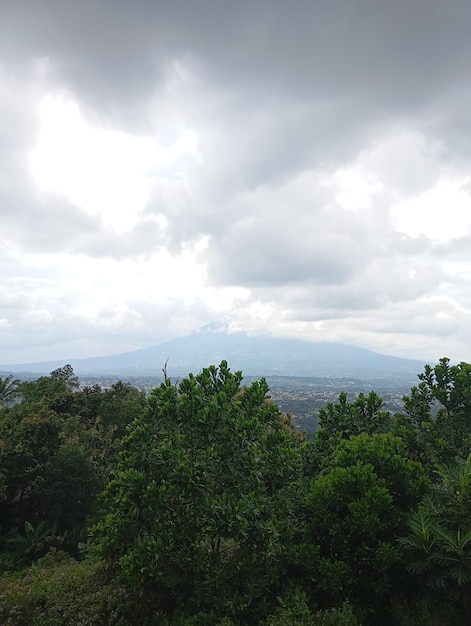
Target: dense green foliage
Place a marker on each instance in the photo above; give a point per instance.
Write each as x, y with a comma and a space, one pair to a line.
58, 445
196, 510
202, 504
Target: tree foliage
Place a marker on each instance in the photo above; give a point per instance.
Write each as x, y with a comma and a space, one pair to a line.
58, 446
387, 454
354, 511
440, 410
439, 539
8, 390
207, 506
343, 419
195, 514
350, 518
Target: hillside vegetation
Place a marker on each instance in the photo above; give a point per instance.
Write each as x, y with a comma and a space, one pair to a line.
203, 504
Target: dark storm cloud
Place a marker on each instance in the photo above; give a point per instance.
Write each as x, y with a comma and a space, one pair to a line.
382, 57
302, 85
287, 88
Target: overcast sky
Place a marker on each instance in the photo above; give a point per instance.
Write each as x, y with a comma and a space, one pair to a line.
300, 168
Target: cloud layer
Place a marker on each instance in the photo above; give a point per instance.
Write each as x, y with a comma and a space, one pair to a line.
298, 170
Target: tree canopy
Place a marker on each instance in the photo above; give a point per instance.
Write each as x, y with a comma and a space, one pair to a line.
195, 512
203, 504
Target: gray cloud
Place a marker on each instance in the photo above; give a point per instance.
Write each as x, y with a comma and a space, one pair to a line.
378, 60
281, 100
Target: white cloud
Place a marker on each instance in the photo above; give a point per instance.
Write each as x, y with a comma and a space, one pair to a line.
440, 213
106, 172
301, 172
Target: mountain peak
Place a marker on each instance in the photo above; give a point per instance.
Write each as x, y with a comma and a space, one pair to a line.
260, 355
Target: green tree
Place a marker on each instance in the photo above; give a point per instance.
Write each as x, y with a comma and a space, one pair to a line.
28, 448
439, 542
195, 516
119, 406
8, 390
354, 511
341, 420
68, 492
349, 551
387, 454
439, 409
47, 470
55, 391
67, 375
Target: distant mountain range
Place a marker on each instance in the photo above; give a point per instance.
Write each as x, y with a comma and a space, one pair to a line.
254, 355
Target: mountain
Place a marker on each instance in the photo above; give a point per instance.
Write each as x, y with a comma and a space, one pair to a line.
254, 355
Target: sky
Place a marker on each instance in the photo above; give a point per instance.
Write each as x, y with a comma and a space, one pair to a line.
295, 168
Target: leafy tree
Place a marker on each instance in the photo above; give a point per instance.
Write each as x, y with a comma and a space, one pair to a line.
341, 420
439, 541
28, 448
8, 390
97, 419
119, 406
55, 391
58, 447
404, 478
34, 460
345, 418
439, 409
196, 513
67, 375
354, 511
349, 550
68, 493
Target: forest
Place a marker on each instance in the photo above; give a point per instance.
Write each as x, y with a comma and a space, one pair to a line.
203, 504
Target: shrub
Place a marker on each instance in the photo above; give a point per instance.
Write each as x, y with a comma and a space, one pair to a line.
59, 590
294, 611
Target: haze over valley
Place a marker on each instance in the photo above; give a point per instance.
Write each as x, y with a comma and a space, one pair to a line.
303, 376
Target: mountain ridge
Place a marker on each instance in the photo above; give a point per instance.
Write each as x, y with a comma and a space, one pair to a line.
258, 355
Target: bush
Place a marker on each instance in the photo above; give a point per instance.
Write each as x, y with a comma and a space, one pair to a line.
59, 590
294, 611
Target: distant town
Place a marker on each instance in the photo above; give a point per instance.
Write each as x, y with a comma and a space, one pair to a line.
301, 396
